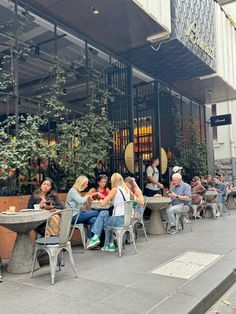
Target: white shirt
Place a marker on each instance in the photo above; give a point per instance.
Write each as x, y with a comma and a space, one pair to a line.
118, 201
152, 172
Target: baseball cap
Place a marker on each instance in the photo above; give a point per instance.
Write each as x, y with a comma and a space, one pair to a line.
176, 169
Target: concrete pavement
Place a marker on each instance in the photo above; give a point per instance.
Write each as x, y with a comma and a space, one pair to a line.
196, 264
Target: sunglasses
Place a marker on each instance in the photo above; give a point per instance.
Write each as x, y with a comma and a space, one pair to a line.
102, 176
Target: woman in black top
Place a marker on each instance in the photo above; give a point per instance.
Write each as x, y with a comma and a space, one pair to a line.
47, 198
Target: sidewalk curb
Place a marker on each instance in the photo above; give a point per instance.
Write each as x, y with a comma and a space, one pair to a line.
213, 296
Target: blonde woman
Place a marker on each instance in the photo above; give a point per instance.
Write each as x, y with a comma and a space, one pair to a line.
136, 194
75, 200
118, 194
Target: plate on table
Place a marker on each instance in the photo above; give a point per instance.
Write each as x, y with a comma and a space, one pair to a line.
9, 213
30, 210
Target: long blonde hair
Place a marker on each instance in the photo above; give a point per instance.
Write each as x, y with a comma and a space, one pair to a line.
117, 180
80, 182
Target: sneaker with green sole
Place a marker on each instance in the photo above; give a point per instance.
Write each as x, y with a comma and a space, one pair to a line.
104, 248
93, 243
109, 248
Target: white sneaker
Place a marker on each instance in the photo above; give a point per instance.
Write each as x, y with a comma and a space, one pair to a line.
186, 220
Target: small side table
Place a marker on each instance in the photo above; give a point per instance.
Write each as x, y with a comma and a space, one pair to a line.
156, 204
22, 223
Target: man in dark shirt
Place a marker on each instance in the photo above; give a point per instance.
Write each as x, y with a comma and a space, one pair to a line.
220, 188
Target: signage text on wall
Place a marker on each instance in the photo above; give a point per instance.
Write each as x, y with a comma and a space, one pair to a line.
196, 40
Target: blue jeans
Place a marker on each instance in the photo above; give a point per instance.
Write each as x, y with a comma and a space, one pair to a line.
87, 217
104, 220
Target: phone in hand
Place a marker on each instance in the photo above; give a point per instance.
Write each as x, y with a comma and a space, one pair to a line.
50, 203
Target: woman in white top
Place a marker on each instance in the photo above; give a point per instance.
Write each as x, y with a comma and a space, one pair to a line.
153, 186
118, 195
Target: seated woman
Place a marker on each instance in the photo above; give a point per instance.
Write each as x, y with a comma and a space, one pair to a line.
102, 190
75, 200
136, 194
46, 196
197, 191
118, 194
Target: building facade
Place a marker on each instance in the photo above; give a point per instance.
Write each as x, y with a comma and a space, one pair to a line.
163, 59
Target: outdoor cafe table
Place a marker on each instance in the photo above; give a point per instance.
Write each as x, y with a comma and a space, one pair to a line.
22, 223
155, 205
97, 205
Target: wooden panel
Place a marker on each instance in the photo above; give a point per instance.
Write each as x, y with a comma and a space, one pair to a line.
7, 241
4, 203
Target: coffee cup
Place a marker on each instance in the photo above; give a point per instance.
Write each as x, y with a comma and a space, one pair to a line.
36, 206
12, 209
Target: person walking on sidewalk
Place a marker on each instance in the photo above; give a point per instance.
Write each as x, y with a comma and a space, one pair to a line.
180, 195
118, 195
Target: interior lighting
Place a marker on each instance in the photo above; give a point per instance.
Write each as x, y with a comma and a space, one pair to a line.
94, 10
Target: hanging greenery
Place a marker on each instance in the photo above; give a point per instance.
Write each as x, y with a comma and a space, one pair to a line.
79, 143
190, 154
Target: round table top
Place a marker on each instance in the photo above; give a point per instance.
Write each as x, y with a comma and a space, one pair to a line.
211, 193
97, 205
24, 217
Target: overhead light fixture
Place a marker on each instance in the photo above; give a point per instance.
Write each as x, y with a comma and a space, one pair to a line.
94, 10
158, 37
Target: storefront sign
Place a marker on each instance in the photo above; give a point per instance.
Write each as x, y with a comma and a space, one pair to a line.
196, 40
221, 120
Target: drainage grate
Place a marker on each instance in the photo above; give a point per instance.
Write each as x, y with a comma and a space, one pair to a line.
186, 265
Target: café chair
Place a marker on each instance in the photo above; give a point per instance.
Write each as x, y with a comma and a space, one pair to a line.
138, 219
82, 229
121, 231
55, 245
1, 266
180, 220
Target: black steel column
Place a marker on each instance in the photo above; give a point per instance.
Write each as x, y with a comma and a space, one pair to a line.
157, 149
87, 76
131, 108
16, 70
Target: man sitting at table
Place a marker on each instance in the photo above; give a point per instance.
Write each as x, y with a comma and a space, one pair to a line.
180, 195
220, 187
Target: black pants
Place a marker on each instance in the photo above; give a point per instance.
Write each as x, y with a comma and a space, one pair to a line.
151, 193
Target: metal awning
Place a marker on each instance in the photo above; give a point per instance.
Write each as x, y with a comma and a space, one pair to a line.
117, 25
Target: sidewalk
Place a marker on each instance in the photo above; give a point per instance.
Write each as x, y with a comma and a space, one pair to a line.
109, 284
226, 304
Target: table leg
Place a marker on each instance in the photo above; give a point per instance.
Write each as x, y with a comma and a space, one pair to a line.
22, 255
155, 223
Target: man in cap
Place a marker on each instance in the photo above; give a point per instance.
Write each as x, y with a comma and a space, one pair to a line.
177, 169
